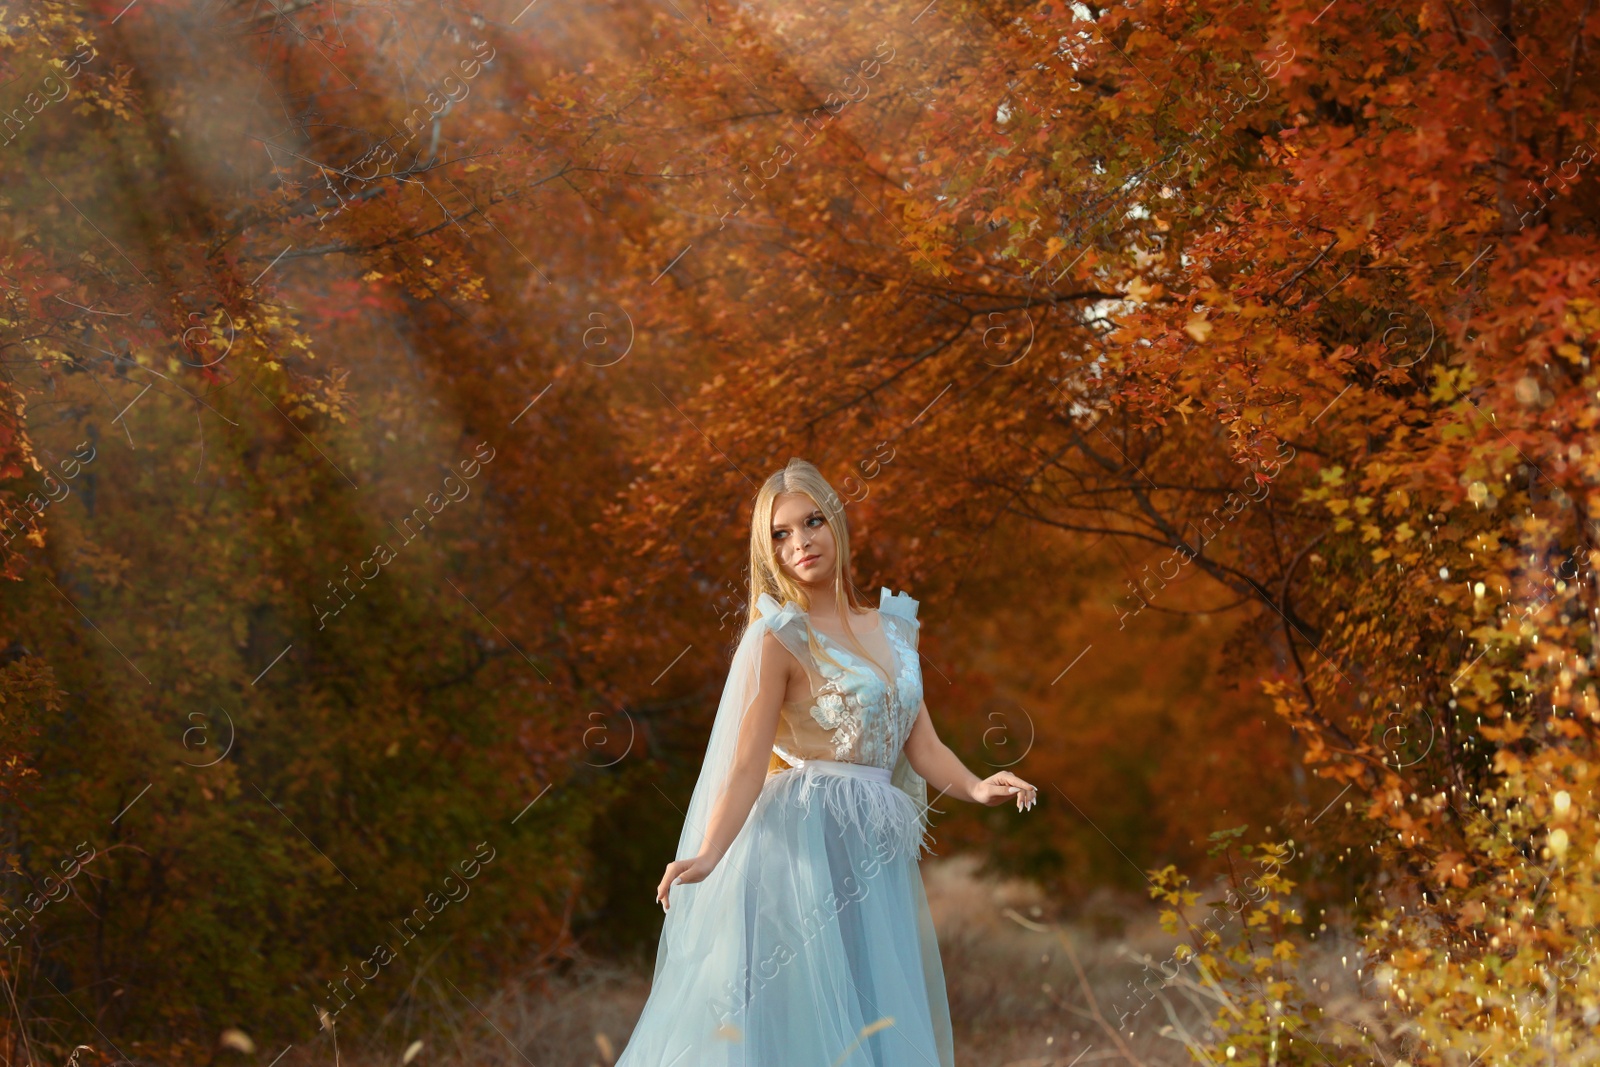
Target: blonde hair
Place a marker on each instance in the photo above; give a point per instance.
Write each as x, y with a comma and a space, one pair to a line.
767, 576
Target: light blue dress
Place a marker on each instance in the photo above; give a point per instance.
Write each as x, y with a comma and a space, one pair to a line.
810, 944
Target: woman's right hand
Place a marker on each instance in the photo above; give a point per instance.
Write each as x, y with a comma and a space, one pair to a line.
682, 871
1004, 786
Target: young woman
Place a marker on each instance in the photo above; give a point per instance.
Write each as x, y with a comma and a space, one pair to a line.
797, 932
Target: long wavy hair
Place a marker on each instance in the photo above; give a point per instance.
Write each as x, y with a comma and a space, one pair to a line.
767, 576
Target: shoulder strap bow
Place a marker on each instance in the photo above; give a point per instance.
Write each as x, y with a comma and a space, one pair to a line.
900, 604
777, 617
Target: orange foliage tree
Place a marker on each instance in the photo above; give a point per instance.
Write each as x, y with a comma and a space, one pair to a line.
1292, 295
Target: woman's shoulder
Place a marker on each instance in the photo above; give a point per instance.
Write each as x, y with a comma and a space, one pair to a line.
785, 647
782, 625
772, 645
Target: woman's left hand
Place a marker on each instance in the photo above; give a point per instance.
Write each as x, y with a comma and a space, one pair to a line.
999, 788
682, 871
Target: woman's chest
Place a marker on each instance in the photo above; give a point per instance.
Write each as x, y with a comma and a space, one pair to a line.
842, 684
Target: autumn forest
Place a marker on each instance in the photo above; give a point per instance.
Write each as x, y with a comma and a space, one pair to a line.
386, 387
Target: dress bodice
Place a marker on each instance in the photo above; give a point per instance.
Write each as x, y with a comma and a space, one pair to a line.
853, 714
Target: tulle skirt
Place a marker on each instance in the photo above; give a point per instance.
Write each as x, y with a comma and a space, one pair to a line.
810, 944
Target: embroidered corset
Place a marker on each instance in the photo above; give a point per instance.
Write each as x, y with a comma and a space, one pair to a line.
854, 714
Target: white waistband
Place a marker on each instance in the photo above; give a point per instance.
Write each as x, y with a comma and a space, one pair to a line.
839, 767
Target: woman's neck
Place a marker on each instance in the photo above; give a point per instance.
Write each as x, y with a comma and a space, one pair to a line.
825, 609
824, 603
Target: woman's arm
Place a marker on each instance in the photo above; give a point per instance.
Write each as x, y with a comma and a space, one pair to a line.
754, 754
749, 771
943, 770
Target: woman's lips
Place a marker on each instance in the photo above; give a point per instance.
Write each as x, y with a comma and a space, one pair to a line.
806, 560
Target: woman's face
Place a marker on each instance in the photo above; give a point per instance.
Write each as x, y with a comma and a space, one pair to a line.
802, 540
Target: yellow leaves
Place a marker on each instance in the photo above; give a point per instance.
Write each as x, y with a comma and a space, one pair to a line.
1378, 472
1167, 884
1198, 328
1511, 731
1567, 728
1217, 299
1141, 292
1286, 951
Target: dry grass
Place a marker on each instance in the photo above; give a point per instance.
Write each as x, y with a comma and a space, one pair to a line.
1016, 999
1015, 996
